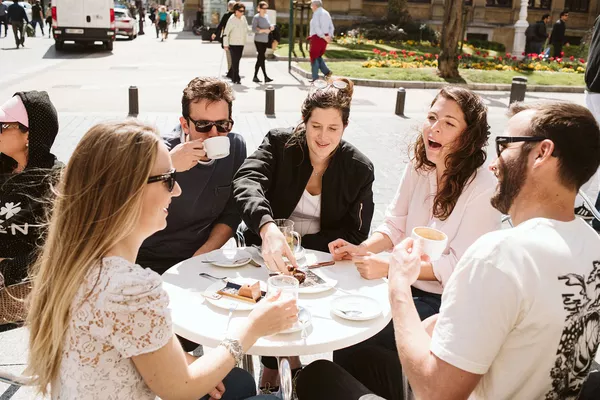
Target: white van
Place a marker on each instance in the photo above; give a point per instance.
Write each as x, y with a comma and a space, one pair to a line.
83, 21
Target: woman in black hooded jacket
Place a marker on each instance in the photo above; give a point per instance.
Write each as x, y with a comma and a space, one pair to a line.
28, 169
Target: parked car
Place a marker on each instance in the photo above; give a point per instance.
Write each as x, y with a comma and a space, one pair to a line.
125, 24
23, 4
83, 21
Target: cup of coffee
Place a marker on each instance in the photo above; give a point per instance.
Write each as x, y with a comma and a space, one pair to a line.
217, 147
286, 226
434, 241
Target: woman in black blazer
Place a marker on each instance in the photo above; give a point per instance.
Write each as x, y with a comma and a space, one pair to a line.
310, 175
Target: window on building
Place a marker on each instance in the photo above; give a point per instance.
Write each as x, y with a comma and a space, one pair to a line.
577, 5
540, 4
498, 3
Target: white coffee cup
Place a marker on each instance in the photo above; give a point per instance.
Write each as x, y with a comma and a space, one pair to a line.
217, 147
434, 241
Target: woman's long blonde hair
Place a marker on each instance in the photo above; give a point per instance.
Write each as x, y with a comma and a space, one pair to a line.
98, 204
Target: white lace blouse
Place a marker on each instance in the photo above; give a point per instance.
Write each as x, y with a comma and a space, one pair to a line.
125, 315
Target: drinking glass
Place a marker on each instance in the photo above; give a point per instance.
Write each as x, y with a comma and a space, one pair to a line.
286, 226
286, 284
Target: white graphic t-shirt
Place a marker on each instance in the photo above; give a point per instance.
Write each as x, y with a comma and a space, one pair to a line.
523, 309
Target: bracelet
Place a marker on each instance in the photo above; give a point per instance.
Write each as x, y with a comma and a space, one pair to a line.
235, 349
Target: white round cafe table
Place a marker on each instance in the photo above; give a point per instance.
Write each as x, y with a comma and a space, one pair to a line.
196, 319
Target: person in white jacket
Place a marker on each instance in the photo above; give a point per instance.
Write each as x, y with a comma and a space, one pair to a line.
234, 38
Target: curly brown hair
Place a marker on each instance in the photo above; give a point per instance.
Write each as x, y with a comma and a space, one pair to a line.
468, 151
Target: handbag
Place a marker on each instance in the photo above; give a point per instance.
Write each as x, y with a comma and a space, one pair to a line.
13, 305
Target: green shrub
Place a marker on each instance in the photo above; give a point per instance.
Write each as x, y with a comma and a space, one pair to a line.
383, 30
487, 45
580, 51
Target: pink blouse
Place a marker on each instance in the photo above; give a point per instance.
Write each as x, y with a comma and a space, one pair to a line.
472, 217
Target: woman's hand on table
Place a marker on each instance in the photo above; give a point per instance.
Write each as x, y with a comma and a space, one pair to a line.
274, 248
371, 266
272, 315
343, 250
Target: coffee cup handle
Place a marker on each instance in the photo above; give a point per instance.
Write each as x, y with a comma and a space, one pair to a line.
299, 238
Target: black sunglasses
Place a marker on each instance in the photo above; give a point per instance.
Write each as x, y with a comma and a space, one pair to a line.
169, 179
7, 125
502, 141
223, 126
242, 10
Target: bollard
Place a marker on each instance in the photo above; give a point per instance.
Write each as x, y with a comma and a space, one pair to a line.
400, 101
517, 89
134, 104
270, 101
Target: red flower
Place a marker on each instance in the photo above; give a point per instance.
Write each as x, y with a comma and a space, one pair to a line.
395, 55
411, 53
460, 57
404, 55
581, 60
500, 58
523, 53
572, 58
486, 54
478, 52
384, 54
376, 51
551, 58
514, 58
559, 60
508, 55
437, 56
562, 53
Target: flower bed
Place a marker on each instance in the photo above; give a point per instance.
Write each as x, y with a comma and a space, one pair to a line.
478, 60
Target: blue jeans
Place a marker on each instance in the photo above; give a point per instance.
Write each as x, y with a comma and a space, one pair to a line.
35, 23
240, 385
319, 64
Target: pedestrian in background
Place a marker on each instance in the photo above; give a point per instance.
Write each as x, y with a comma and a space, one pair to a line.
49, 19
321, 33
219, 34
557, 37
234, 38
261, 26
17, 17
37, 17
161, 18
539, 35
3, 18
592, 102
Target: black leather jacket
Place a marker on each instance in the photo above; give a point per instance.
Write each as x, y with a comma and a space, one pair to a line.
270, 183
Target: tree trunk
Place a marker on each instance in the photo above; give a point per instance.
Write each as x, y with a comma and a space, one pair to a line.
397, 12
451, 32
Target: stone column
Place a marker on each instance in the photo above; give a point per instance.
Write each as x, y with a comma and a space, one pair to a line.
190, 7
520, 27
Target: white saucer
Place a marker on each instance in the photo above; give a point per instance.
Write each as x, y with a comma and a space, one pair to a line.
365, 307
226, 302
225, 257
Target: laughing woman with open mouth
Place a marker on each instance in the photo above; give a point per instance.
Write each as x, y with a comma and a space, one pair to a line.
447, 187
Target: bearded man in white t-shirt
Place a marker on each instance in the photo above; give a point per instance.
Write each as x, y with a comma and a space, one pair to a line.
520, 316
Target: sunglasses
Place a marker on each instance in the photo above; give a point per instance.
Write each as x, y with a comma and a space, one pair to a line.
502, 141
204, 126
323, 84
9, 125
169, 179
242, 10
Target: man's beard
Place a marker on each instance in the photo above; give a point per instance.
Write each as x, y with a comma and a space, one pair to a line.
511, 178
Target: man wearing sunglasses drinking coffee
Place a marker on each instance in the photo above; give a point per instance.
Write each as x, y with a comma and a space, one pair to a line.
206, 155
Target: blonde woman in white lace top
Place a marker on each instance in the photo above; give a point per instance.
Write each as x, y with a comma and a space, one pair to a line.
100, 324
